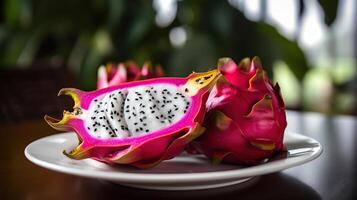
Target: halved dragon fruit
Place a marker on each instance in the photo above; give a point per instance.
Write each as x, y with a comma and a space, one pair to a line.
138, 123
115, 74
246, 116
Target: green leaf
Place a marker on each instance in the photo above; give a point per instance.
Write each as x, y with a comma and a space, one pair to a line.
280, 47
330, 8
198, 54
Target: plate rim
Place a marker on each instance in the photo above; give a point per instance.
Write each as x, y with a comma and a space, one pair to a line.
130, 177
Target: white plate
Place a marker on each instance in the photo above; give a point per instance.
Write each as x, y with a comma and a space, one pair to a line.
184, 172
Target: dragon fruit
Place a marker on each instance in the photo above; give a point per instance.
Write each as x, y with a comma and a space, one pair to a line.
246, 118
114, 74
138, 123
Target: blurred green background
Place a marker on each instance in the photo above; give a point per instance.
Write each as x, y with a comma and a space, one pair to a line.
309, 47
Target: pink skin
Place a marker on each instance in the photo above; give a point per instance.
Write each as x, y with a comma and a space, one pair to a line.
115, 74
254, 113
143, 151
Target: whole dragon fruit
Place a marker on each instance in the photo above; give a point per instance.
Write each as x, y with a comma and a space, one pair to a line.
138, 123
246, 118
114, 74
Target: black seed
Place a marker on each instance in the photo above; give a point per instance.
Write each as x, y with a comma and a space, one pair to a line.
144, 124
176, 109
137, 130
106, 128
95, 130
163, 105
88, 128
154, 106
162, 122
136, 99
144, 117
111, 117
147, 130
152, 111
186, 90
175, 97
136, 123
157, 117
141, 128
141, 120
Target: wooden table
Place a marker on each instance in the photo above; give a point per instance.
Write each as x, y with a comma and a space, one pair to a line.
331, 176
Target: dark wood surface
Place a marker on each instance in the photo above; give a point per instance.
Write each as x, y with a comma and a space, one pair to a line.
331, 176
